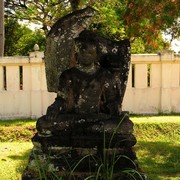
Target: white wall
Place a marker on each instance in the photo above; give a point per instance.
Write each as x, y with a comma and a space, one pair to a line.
163, 94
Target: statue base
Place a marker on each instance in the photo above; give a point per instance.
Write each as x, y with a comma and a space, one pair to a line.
80, 154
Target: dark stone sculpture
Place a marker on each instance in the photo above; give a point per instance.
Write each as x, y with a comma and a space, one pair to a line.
86, 117
59, 53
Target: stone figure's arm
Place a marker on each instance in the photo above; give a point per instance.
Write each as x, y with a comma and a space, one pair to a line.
54, 109
59, 105
111, 92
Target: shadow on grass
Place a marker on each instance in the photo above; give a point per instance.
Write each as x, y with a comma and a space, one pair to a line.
159, 159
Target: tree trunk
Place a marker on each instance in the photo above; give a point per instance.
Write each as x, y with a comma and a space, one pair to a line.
1, 28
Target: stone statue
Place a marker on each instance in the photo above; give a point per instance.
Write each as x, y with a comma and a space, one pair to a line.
89, 94
86, 90
89, 74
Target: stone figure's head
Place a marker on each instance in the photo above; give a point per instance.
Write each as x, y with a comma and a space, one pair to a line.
85, 47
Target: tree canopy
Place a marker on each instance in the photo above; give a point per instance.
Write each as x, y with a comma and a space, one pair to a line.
20, 40
142, 21
148, 18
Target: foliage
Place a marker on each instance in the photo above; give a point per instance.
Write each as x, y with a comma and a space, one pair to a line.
151, 16
111, 22
148, 18
20, 40
107, 22
138, 45
141, 21
41, 12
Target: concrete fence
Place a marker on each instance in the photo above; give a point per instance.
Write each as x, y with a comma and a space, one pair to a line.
153, 85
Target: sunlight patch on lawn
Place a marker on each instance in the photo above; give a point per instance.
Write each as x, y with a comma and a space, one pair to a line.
13, 159
156, 119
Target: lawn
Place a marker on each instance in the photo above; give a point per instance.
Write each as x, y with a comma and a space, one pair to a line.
13, 159
157, 148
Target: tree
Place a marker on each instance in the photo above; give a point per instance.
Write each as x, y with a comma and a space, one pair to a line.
20, 40
42, 12
107, 22
111, 22
138, 45
141, 21
1, 27
149, 18
27, 41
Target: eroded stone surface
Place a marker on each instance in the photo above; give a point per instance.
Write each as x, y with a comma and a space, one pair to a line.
59, 53
85, 125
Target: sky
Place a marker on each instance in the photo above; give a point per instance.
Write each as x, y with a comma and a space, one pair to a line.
175, 45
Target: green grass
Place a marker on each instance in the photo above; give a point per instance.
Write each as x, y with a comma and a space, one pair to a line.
157, 128
15, 146
17, 130
13, 159
157, 148
160, 160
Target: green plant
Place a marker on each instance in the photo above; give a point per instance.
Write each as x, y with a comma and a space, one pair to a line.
105, 163
41, 167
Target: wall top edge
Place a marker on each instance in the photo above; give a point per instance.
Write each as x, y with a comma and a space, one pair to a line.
38, 57
144, 55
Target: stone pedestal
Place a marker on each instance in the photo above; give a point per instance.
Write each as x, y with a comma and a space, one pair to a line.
84, 133
103, 151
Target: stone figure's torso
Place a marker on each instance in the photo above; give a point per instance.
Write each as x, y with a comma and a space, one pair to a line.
87, 93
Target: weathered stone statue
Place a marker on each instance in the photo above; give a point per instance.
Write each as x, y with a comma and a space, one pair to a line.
88, 93
86, 117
